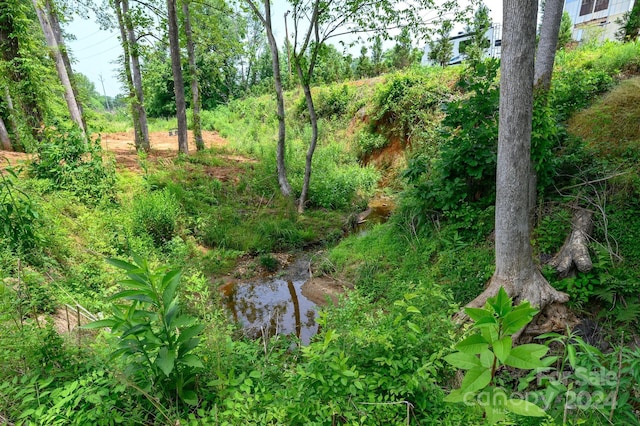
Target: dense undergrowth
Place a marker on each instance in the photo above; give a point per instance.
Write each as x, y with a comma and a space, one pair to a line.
380, 355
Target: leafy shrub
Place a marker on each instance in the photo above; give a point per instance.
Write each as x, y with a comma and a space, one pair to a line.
329, 102
368, 143
156, 214
71, 164
18, 215
154, 338
269, 263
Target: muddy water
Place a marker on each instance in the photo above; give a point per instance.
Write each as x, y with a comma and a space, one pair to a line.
274, 305
379, 211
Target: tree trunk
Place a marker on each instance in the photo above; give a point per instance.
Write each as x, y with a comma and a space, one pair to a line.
57, 32
54, 51
313, 120
142, 131
193, 74
546, 54
285, 187
12, 117
5, 141
178, 82
515, 270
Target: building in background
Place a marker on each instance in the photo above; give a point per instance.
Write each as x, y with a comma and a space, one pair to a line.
596, 19
493, 34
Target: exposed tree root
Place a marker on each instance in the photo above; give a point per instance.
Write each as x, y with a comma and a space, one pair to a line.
574, 254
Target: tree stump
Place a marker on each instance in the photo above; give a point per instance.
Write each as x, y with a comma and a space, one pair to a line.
574, 253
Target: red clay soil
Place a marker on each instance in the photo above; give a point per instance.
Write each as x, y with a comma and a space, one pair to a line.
123, 147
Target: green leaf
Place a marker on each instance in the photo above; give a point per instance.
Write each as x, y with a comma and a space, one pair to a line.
501, 303
477, 314
526, 356
170, 284
190, 332
473, 344
524, 408
463, 360
192, 361
457, 396
172, 311
413, 310
413, 327
122, 264
166, 360
476, 379
502, 348
486, 358
571, 353
518, 318
190, 397
137, 294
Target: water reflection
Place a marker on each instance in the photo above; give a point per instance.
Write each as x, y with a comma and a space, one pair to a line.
277, 305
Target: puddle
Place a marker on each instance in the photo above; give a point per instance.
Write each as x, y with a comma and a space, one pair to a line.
275, 305
379, 211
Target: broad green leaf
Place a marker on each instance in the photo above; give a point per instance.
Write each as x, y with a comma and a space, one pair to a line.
188, 345
526, 356
518, 318
136, 294
502, 348
476, 379
170, 284
166, 360
413, 310
140, 261
190, 397
477, 314
122, 264
413, 327
494, 414
192, 361
524, 408
172, 311
473, 344
487, 322
190, 332
135, 330
463, 360
501, 303
489, 332
487, 358
458, 396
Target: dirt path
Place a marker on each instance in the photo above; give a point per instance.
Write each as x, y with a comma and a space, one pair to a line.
122, 146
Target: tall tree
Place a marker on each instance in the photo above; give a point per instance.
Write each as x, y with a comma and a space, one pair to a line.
515, 270
565, 35
193, 75
478, 43
55, 50
547, 46
178, 81
441, 49
285, 187
133, 76
629, 24
376, 56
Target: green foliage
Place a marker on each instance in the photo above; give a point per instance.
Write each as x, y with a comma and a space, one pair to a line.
70, 163
156, 213
440, 50
629, 25
18, 215
269, 263
484, 353
369, 143
154, 337
565, 35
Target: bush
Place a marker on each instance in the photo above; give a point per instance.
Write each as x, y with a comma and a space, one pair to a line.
156, 214
70, 163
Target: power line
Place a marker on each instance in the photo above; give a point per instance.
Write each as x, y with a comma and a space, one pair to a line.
98, 54
94, 45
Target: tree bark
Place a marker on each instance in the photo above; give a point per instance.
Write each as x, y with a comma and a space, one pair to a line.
5, 140
11, 117
178, 81
57, 32
313, 121
574, 253
142, 132
193, 74
546, 54
515, 270
283, 181
54, 51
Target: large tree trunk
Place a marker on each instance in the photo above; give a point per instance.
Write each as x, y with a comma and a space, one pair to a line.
5, 140
546, 54
285, 187
178, 81
12, 118
515, 270
142, 136
193, 74
54, 50
57, 32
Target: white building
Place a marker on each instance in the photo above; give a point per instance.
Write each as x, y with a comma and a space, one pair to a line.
493, 34
596, 18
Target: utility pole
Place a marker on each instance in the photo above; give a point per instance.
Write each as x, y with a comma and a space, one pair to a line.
104, 92
286, 32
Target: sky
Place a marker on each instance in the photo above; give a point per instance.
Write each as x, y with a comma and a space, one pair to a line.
96, 51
